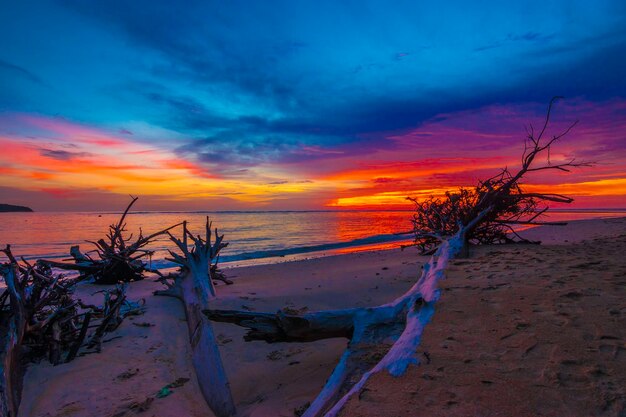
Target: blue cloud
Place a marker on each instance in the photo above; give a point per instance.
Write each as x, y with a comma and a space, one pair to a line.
249, 82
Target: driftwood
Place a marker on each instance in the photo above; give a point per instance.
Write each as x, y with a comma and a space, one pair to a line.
386, 337
118, 260
193, 285
509, 203
39, 317
115, 308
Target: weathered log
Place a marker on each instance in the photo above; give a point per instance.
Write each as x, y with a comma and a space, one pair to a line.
194, 287
281, 327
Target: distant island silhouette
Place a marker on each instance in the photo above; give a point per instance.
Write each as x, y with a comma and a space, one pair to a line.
7, 208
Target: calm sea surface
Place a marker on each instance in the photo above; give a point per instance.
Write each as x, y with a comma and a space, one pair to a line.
254, 237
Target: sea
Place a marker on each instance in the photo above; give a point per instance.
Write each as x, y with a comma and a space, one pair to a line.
254, 237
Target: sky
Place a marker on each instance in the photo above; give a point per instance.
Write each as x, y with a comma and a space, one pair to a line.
302, 105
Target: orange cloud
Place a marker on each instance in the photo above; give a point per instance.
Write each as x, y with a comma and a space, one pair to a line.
600, 188
55, 155
73, 156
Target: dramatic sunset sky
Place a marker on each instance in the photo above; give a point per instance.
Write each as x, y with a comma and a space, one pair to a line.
271, 105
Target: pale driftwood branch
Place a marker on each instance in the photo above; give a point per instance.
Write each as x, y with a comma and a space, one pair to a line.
194, 287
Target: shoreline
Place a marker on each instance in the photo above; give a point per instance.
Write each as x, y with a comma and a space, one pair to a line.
275, 379
408, 210
549, 235
245, 249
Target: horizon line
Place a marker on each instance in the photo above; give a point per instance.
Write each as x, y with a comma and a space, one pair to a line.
593, 209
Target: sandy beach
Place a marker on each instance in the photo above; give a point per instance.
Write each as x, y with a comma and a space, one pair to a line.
520, 330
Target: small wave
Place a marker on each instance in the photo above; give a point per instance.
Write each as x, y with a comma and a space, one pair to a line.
272, 253
276, 253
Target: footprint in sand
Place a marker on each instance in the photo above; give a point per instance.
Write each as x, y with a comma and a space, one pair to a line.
154, 347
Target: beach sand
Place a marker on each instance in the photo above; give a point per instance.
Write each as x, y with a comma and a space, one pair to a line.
520, 330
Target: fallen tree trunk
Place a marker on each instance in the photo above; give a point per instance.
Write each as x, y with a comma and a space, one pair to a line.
386, 337
193, 285
281, 327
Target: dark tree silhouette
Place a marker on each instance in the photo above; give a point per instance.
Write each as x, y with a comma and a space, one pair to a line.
503, 195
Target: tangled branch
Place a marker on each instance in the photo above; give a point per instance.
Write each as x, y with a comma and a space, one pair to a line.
502, 195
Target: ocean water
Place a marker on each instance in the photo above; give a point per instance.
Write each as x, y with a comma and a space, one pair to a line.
268, 236
254, 237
